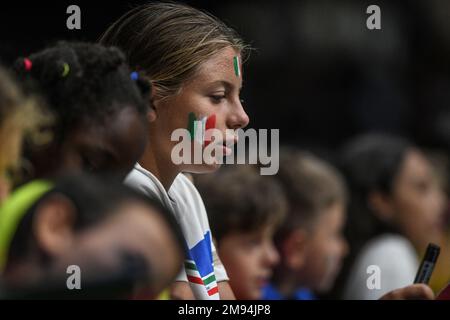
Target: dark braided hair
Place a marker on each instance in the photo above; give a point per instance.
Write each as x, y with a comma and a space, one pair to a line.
82, 82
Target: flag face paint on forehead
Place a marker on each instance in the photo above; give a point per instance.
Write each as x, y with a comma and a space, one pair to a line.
237, 66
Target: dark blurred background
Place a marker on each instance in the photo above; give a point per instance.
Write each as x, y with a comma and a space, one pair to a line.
318, 74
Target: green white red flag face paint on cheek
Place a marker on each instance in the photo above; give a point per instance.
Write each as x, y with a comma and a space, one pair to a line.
198, 128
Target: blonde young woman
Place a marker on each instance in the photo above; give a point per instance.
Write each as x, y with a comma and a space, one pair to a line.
194, 62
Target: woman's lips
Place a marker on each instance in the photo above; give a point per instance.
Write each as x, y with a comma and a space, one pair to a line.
227, 146
226, 151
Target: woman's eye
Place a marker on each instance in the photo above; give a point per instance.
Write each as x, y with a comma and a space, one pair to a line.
217, 98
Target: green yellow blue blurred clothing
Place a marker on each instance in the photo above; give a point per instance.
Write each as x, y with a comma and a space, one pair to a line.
14, 208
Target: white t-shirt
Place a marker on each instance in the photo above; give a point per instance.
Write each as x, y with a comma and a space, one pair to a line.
397, 262
202, 267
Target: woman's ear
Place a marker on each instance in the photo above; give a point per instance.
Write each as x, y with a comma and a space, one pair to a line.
53, 224
151, 114
381, 205
154, 105
294, 249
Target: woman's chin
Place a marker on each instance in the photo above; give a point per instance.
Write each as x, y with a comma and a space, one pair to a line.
202, 168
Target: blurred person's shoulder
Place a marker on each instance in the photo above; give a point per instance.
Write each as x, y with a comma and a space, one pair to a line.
392, 257
390, 246
395, 257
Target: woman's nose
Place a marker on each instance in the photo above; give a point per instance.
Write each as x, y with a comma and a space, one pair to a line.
238, 118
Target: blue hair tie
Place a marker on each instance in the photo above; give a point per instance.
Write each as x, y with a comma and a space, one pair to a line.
134, 75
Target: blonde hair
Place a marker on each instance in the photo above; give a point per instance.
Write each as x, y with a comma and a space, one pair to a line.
169, 41
19, 115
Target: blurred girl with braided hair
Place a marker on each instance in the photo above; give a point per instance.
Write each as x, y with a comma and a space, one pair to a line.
98, 106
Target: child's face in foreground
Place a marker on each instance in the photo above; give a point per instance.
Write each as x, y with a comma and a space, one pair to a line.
133, 229
325, 248
249, 259
214, 90
137, 230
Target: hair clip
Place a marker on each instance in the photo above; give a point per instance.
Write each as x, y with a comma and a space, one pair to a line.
134, 75
27, 64
66, 70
